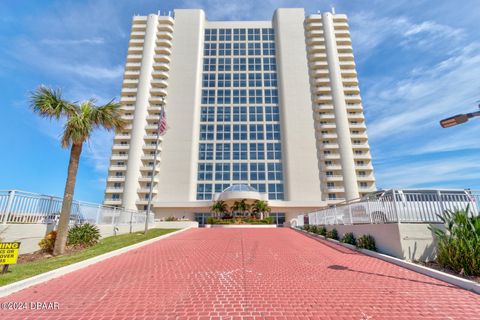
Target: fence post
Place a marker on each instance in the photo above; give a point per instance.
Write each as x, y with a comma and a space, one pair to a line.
442, 207
114, 215
131, 220
350, 213
11, 196
99, 210
395, 206
335, 213
369, 211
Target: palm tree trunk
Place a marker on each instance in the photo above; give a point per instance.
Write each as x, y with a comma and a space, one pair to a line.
62, 230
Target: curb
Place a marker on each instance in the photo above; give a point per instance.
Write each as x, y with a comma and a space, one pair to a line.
436, 274
49, 275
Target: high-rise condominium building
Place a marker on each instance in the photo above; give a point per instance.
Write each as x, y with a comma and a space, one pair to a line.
255, 110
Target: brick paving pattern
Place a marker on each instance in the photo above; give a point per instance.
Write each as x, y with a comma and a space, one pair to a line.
245, 274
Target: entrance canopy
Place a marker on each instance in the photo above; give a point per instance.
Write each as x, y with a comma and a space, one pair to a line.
238, 192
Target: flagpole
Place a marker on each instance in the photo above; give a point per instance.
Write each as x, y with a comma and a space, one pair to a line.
149, 205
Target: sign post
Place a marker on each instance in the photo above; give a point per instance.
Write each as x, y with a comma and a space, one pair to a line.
8, 254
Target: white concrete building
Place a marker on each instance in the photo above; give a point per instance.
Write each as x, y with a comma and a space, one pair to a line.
274, 105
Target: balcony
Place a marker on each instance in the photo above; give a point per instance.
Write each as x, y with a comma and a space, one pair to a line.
357, 126
117, 168
131, 74
134, 58
161, 58
333, 177
148, 157
316, 49
320, 73
126, 91
151, 147
367, 166
111, 201
147, 190
127, 118
133, 66
158, 83
135, 50
323, 107
347, 64
158, 74
331, 156
163, 43
318, 65
317, 56
316, 41
163, 51
326, 116
334, 189
332, 166
366, 178
130, 83
330, 125
147, 179
121, 147
137, 35
122, 136
136, 42
164, 35
328, 146
115, 179
158, 98
165, 21
149, 168
314, 34
152, 137
161, 66
356, 116
340, 26
345, 57
119, 157
342, 33
313, 25
113, 190
323, 98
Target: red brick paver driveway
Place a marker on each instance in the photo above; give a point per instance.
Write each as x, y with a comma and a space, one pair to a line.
249, 274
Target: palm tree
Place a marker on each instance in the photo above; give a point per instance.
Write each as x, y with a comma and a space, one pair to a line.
241, 206
219, 207
260, 207
81, 120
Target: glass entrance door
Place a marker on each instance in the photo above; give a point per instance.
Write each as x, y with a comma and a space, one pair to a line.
278, 218
201, 218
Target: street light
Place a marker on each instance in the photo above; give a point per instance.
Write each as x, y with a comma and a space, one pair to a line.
458, 119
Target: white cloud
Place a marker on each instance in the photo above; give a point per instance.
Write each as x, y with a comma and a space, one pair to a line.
86, 41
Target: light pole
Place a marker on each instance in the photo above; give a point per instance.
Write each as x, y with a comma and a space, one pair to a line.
458, 119
160, 120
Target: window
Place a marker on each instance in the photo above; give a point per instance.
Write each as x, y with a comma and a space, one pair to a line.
240, 171
222, 151
210, 49
254, 64
260, 187
208, 96
204, 171
224, 64
270, 79
332, 196
275, 171
254, 49
273, 131
224, 49
363, 185
269, 64
223, 132
204, 191
208, 80
253, 35
256, 132
210, 34
224, 96
239, 96
239, 34
209, 64
330, 184
255, 113
206, 132
240, 80
207, 114
239, 114
239, 49
224, 80
272, 113
205, 151
257, 171
239, 64
275, 191
271, 96
118, 174
255, 79
115, 196
361, 173
274, 151
224, 114
257, 151
268, 48
219, 187
240, 132
222, 171
240, 151
267, 34
255, 96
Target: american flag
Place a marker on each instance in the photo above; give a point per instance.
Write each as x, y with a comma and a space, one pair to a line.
162, 125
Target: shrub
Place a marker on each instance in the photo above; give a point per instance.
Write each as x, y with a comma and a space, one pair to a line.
366, 242
48, 242
349, 238
210, 220
313, 228
83, 234
322, 231
332, 234
171, 218
458, 247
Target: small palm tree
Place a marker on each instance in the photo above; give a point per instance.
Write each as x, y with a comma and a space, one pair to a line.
260, 207
81, 120
241, 206
219, 208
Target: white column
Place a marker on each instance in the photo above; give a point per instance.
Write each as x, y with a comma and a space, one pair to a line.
140, 116
340, 110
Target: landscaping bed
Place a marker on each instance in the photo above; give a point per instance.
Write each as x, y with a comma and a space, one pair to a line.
39, 262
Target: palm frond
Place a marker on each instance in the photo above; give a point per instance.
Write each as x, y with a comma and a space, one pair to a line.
107, 116
48, 103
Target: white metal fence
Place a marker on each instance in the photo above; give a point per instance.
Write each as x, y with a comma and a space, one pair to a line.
398, 206
25, 207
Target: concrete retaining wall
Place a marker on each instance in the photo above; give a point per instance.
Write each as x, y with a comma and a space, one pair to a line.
409, 241
30, 234
231, 226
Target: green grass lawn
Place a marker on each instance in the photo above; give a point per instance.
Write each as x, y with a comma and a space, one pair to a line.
29, 269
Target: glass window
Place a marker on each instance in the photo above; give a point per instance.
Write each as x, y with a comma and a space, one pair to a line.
255, 113
205, 171
256, 132
239, 96
206, 132
240, 80
240, 132
222, 171
223, 132
240, 171
257, 171
205, 151
204, 191
274, 151
222, 151
273, 131
257, 151
275, 171
208, 80
208, 96
240, 151
239, 114
275, 191
224, 114
209, 64
207, 114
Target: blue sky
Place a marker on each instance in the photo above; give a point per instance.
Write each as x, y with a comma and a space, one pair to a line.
418, 61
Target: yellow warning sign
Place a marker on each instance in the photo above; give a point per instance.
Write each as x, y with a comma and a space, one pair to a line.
9, 252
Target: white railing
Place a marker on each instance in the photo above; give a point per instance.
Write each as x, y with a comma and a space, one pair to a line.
25, 207
398, 206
